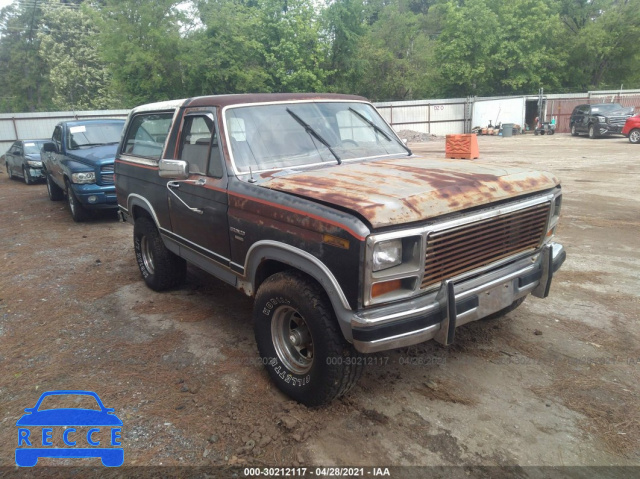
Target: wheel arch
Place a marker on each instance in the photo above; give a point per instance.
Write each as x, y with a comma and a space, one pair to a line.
138, 206
266, 258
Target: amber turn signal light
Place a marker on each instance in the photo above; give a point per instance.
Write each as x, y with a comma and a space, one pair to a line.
379, 289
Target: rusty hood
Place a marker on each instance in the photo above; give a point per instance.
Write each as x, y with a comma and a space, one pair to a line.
389, 192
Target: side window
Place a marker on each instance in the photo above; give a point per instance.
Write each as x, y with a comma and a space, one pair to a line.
15, 149
199, 146
57, 137
147, 134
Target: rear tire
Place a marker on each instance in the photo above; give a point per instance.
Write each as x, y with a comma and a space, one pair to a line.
160, 268
55, 192
574, 132
9, 171
634, 136
300, 341
78, 211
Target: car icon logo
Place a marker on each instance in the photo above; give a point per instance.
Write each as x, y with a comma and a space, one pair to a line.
69, 432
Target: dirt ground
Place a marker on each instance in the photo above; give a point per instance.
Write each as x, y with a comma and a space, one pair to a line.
554, 383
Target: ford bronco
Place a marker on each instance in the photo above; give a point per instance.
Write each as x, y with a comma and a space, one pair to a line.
349, 243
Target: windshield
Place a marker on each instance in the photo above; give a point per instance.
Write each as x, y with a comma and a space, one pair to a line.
607, 107
94, 134
32, 147
278, 136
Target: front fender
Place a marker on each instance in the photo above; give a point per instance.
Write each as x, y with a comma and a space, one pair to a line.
307, 263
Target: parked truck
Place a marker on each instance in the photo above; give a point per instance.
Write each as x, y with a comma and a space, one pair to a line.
349, 243
78, 165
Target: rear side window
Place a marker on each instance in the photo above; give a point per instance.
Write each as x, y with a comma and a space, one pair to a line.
147, 134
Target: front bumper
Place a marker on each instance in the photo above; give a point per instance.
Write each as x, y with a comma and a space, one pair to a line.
93, 196
607, 129
35, 173
436, 316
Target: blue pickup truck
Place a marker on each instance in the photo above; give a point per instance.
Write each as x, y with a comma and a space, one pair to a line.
78, 163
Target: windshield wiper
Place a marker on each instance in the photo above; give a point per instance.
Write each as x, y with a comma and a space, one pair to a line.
94, 144
315, 134
376, 127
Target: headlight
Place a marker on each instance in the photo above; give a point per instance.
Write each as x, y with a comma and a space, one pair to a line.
34, 164
601, 119
86, 177
387, 254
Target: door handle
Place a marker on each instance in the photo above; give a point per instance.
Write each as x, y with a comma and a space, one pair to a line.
176, 184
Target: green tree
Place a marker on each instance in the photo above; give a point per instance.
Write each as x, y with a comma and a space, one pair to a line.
225, 56
293, 52
396, 55
498, 47
344, 26
23, 73
68, 45
602, 38
140, 42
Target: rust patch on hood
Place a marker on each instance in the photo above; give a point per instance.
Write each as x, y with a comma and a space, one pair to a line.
405, 190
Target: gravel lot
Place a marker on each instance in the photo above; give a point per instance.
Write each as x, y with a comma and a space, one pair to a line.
554, 383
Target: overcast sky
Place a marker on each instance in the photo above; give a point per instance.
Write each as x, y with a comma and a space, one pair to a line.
4, 3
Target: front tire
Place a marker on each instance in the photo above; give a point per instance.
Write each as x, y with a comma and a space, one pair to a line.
300, 342
27, 178
55, 192
634, 136
78, 211
160, 268
594, 131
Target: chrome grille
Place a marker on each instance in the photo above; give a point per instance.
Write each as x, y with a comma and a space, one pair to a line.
618, 120
457, 250
106, 175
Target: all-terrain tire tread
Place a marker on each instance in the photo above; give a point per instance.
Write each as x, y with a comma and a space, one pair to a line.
169, 269
341, 377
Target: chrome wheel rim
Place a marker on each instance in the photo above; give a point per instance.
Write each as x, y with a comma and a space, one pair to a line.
147, 254
635, 136
72, 205
292, 340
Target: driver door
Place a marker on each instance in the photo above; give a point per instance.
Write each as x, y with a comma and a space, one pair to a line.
198, 206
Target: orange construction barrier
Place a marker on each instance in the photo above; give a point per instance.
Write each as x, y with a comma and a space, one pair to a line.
462, 146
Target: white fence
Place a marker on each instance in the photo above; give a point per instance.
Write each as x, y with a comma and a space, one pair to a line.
437, 117
32, 126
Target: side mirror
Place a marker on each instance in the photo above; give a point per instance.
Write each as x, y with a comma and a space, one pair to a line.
174, 169
49, 147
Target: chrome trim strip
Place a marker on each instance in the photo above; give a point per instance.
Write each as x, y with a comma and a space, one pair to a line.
173, 235
144, 200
